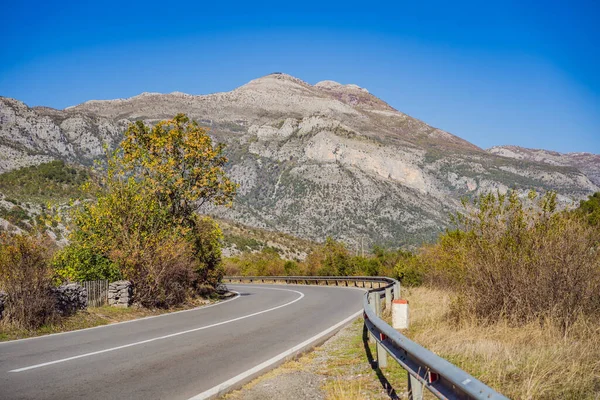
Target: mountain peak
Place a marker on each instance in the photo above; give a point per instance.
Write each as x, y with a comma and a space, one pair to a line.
278, 77
333, 85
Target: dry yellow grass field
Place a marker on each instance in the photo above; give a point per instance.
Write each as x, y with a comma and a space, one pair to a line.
534, 361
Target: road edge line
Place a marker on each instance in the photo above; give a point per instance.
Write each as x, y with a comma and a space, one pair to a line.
171, 335
241, 379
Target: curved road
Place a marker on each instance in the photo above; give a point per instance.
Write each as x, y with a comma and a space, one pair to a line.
179, 355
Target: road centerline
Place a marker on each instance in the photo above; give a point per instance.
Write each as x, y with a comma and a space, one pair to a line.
165, 336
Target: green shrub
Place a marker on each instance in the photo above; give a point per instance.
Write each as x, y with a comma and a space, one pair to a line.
367, 266
590, 209
291, 268
16, 216
48, 181
77, 262
206, 237
409, 272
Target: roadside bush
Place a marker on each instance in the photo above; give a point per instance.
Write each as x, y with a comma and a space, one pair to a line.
133, 237
590, 209
389, 260
77, 262
367, 266
206, 237
521, 260
267, 262
162, 276
26, 277
409, 272
291, 268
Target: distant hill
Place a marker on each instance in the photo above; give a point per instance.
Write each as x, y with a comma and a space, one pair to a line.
587, 163
312, 160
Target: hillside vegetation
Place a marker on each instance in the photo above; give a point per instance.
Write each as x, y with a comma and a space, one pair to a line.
52, 181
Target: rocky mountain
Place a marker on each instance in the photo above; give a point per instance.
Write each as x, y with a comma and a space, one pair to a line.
312, 160
587, 163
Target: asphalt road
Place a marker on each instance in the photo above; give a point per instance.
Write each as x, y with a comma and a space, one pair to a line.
173, 356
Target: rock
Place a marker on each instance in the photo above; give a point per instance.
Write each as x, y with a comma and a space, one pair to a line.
70, 298
3, 296
120, 294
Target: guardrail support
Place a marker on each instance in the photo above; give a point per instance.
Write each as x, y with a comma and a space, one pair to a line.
388, 299
381, 353
397, 291
415, 388
372, 301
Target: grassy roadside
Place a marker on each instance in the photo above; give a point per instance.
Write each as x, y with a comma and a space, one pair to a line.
97, 316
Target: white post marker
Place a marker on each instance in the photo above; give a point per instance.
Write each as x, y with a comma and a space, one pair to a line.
400, 314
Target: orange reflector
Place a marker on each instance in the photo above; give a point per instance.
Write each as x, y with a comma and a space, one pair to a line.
433, 376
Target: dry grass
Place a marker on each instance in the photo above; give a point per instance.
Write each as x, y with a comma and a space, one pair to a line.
533, 361
344, 390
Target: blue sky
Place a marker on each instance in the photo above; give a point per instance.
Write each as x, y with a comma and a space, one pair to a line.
490, 72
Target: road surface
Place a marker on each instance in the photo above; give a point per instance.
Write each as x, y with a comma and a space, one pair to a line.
174, 356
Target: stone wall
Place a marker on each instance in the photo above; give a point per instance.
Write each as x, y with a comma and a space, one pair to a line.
2, 302
70, 298
120, 294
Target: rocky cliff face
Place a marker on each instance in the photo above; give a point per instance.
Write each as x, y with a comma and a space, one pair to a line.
312, 160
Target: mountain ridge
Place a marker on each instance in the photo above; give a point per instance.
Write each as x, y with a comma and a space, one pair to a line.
312, 160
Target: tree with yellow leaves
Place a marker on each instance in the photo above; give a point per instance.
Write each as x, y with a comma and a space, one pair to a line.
144, 225
180, 163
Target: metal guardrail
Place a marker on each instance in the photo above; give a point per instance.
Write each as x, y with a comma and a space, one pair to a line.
425, 369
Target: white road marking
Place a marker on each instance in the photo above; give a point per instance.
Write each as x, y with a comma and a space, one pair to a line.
237, 296
165, 336
222, 388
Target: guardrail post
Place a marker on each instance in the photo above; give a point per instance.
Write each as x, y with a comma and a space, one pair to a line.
381, 353
372, 302
415, 388
388, 299
397, 291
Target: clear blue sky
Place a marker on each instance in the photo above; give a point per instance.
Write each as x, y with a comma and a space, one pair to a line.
490, 72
